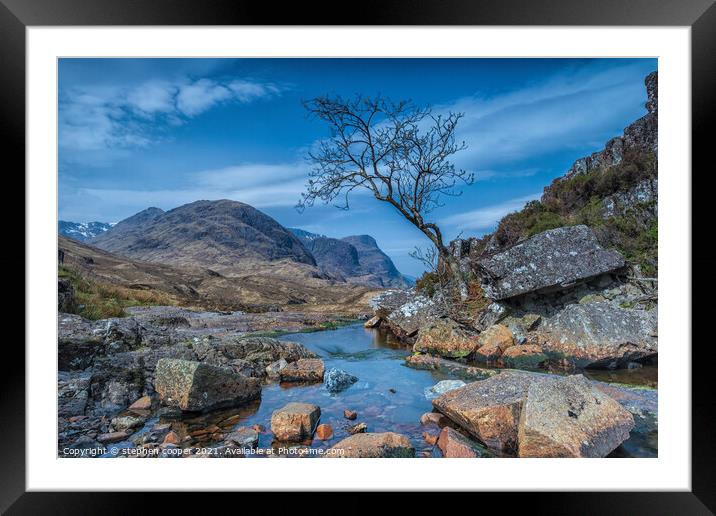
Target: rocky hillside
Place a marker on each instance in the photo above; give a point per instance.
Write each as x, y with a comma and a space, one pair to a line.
614, 191
109, 282
228, 236
82, 231
356, 259
569, 281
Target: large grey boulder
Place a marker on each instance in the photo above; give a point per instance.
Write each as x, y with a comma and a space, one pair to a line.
599, 334
553, 259
337, 380
571, 418
538, 415
196, 386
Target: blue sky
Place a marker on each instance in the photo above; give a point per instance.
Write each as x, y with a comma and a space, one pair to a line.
135, 133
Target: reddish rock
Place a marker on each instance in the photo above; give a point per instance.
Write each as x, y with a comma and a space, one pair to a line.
453, 444
171, 438
493, 342
258, 428
143, 403
430, 438
489, 409
423, 362
350, 414
324, 432
435, 418
525, 356
446, 338
295, 421
303, 370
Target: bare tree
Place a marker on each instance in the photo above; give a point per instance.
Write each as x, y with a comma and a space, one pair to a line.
399, 152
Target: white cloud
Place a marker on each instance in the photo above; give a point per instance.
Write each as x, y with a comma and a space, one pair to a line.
111, 119
486, 218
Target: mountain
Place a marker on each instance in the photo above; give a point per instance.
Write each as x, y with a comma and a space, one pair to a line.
229, 236
357, 259
82, 231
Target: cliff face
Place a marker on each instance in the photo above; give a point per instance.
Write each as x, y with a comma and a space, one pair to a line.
613, 191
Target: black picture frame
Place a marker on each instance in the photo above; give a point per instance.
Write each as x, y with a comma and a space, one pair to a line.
700, 15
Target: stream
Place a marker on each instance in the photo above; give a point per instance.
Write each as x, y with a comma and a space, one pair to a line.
387, 397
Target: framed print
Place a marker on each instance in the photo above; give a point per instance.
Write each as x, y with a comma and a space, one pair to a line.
440, 244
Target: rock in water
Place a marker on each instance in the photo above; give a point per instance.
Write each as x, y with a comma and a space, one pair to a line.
538, 415
196, 386
373, 322
600, 334
244, 437
488, 409
373, 445
442, 387
552, 259
446, 338
324, 432
338, 380
303, 370
570, 418
453, 444
295, 421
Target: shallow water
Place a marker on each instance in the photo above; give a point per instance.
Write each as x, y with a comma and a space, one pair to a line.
388, 396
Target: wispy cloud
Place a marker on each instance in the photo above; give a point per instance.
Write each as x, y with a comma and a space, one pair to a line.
486, 218
565, 110
260, 185
119, 118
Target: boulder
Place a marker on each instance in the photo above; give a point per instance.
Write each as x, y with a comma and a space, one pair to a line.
337, 380
373, 445
405, 311
523, 356
295, 421
143, 403
303, 370
571, 418
453, 444
196, 386
538, 415
446, 338
350, 414
553, 259
373, 322
493, 342
273, 370
488, 409
599, 334
127, 422
442, 387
